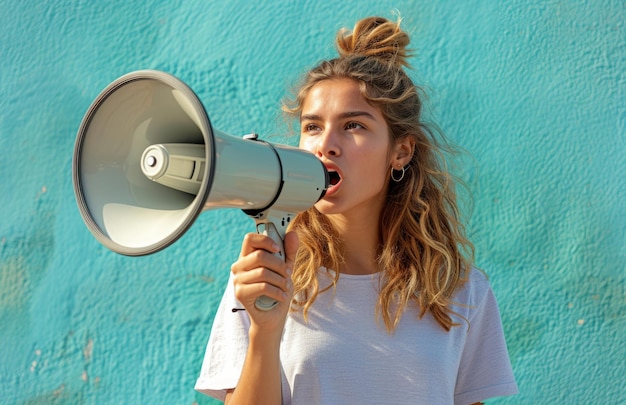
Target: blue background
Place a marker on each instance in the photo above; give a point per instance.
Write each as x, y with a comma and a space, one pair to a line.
534, 90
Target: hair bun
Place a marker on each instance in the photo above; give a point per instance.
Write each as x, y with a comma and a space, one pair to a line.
376, 37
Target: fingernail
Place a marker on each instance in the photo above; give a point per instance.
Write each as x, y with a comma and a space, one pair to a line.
289, 271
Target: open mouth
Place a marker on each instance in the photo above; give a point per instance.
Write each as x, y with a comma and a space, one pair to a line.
334, 177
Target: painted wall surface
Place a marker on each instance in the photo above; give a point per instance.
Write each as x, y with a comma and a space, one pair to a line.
534, 90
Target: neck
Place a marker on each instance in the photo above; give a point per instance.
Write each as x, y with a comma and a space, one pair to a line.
360, 241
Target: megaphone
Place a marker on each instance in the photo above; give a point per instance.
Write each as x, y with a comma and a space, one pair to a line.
147, 162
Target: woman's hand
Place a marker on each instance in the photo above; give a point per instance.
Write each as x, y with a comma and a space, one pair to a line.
258, 272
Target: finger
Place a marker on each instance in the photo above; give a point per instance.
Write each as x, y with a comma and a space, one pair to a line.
255, 241
263, 275
260, 282
260, 259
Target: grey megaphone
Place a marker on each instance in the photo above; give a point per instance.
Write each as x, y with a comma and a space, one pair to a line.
147, 162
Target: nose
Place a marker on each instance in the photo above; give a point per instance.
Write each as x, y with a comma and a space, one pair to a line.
327, 145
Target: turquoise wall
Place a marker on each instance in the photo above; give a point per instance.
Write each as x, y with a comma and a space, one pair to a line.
534, 90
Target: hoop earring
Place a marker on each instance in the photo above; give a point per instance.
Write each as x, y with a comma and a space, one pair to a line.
398, 180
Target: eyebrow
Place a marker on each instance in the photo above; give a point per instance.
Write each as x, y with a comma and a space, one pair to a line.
348, 114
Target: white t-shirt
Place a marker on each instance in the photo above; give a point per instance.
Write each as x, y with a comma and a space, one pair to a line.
344, 356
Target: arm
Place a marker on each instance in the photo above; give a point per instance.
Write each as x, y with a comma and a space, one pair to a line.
258, 272
260, 381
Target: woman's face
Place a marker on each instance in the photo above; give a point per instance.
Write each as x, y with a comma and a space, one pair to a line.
351, 138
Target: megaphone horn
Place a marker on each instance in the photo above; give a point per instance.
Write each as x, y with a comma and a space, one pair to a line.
147, 162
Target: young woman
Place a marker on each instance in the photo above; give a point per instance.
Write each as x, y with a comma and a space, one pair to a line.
378, 300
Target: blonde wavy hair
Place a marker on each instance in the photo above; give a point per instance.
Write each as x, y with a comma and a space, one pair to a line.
423, 254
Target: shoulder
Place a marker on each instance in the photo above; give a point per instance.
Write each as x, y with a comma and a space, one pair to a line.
474, 288
474, 296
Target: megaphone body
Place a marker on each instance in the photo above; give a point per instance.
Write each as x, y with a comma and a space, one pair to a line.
147, 162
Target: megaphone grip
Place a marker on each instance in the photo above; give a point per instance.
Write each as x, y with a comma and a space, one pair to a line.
264, 303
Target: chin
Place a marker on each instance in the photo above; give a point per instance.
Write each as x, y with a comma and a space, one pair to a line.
327, 208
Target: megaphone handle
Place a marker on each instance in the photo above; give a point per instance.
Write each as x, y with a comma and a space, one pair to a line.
264, 303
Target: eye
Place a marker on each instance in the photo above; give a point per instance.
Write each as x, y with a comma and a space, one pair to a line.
354, 125
309, 128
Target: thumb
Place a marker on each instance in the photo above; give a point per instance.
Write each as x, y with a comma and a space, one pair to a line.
291, 243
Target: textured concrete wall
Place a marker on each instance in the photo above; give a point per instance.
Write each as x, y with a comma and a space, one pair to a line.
534, 90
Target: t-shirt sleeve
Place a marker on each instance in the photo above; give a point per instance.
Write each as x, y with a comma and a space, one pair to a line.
226, 349
485, 369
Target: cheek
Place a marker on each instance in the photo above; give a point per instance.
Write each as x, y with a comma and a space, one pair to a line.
373, 168
379, 168
307, 143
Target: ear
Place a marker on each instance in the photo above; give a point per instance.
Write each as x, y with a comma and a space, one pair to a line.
402, 152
